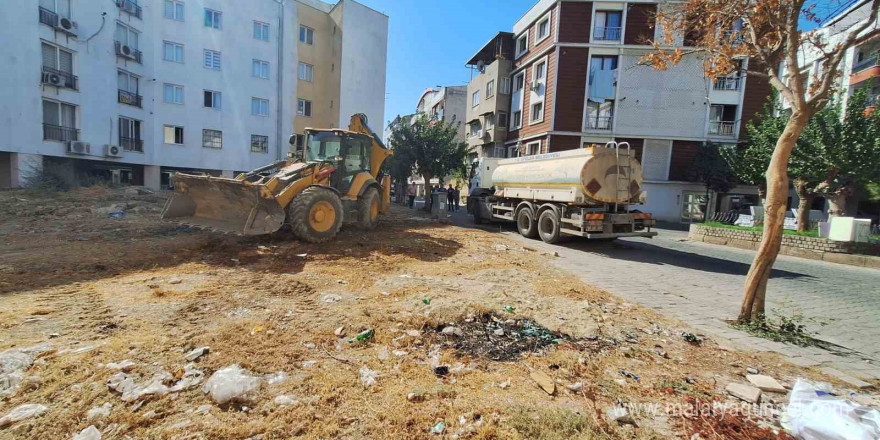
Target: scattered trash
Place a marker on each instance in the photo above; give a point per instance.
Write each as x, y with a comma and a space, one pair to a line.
744, 392
442, 370
90, 433
367, 376
399, 353
339, 332
13, 365
426, 301
478, 337
504, 385
275, 378
766, 383
752, 370
364, 336
620, 415
630, 375
575, 386
509, 309
331, 298
812, 414
22, 412
501, 247
231, 384
197, 353
499, 332
691, 338
125, 365
284, 400
99, 412
191, 377
310, 345
438, 428
414, 333
451, 331
174, 280
116, 214
383, 354
544, 381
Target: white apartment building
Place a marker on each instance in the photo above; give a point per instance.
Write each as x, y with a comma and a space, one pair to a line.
130, 91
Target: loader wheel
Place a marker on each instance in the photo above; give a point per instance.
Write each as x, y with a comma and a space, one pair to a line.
526, 224
368, 209
549, 227
315, 215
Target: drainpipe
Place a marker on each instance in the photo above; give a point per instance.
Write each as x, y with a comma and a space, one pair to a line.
279, 113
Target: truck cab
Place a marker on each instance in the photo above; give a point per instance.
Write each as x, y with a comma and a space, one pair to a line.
481, 188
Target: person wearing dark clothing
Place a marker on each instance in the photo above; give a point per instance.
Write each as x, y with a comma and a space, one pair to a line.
450, 197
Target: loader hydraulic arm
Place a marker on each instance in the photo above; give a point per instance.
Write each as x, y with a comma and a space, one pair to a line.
358, 124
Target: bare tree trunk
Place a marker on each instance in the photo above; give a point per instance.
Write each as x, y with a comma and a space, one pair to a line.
805, 197
774, 218
762, 192
428, 198
837, 202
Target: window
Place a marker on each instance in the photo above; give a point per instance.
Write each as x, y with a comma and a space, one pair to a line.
533, 148
474, 129
540, 71
259, 143
213, 18
537, 112
173, 135
59, 121
502, 119
261, 31
127, 82
212, 138
304, 107
130, 135
306, 71
172, 52
475, 99
212, 59
722, 120
306, 35
499, 151
490, 121
607, 26
516, 122
490, 89
57, 59
174, 10
522, 44
259, 107
173, 94
260, 69
516, 100
505, 86
126, 36
543, 29
520, 82
212, 99
60, 7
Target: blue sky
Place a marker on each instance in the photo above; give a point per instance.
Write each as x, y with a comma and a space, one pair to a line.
430, 40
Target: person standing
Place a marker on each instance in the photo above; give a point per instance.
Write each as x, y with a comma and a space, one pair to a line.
450, 198
457, 198
411, 195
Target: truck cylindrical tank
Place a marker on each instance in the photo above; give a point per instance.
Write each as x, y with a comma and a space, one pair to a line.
592, 175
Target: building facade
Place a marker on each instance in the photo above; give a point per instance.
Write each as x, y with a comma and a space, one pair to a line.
200, 86
489, 97
576, 80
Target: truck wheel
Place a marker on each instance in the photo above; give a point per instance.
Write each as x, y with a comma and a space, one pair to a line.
549, 227
526, 224
368, 209
315, 215
478, 218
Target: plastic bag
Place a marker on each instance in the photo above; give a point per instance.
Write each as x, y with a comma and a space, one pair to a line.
813, 414
231, 383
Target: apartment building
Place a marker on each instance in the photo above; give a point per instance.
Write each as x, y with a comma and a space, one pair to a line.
200, 86
445, 103
489, 91
576, 80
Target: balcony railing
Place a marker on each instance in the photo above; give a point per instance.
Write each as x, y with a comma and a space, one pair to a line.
133, 54
48, 17
597, 122
727, 83
59, 133
129, 6
722, 128
59, 78
131, 144
604, 33
126, 97
869, 62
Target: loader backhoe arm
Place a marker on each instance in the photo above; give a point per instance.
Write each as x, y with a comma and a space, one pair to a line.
379, 152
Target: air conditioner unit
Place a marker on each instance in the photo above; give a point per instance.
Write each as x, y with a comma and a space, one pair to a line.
66, 25
535, 86
53, 79
126, 50
112, 151
78, 147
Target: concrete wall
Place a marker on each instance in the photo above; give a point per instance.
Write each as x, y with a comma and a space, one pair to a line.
364, 60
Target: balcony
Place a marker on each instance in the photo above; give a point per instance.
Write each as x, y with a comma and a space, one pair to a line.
866, 63
129, 98
131, 144
722, 128
58, 78
48, 17
129, 6
128, 52
59, 133
599, 122
727, 83
604, 33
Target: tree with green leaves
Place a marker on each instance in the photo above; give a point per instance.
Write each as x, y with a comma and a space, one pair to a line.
428, 148
712, 170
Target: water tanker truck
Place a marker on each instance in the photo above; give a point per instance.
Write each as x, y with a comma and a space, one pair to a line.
587, 192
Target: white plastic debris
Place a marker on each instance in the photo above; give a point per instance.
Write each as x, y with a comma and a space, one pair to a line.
13, 365
367, 376
197, 353
813, 414
231, 384
276, 378
284, 400
22, 412
99, 412
90, 433
125, 365
191, 377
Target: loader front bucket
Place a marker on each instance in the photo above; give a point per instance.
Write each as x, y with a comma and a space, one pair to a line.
222, 204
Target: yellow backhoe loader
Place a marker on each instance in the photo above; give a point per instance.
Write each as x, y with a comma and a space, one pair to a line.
336, 179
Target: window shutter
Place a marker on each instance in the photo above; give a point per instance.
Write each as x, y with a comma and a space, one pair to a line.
208, 99
49, 56
50, 113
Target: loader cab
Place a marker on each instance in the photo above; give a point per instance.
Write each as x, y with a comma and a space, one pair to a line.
348, 152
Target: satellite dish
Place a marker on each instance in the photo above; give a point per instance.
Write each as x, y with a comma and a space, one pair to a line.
481, 66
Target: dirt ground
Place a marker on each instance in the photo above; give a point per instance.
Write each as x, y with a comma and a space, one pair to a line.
90, 291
